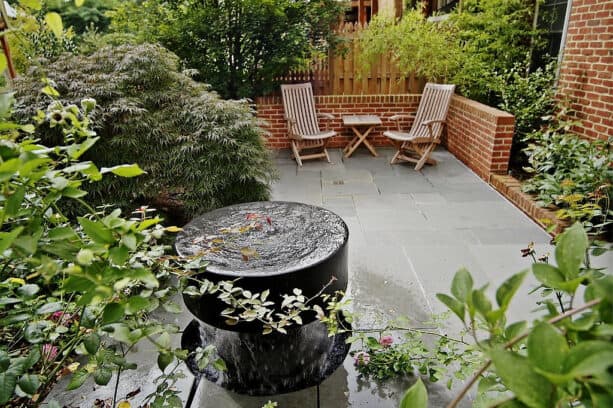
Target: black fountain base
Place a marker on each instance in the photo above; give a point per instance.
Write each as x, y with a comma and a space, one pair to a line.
269, 364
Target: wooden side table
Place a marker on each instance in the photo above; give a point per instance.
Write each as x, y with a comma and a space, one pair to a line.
361, 125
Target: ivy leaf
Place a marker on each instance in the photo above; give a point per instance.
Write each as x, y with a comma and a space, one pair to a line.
77, 380
29, 383
54, 22
416, 396
8, 381
547, 348
96, 231
517, 374
124, 170
570, 250
507, 290
462, 285
453, 304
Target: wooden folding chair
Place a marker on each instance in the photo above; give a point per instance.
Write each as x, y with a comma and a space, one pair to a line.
425, 133
301, 117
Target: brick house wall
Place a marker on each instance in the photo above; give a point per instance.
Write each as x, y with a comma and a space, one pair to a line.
478, 135
586, 73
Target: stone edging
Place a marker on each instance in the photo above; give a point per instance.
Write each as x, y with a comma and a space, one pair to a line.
510, 187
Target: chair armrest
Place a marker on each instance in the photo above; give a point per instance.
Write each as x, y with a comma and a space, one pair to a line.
402, 116
429, 122
325, 115
397, 118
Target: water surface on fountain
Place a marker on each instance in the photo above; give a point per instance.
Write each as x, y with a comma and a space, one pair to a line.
263, 238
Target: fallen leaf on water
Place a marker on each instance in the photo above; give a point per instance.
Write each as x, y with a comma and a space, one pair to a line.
247, 253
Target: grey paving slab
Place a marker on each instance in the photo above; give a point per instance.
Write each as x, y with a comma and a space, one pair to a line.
349, 187
336, 175
414, 183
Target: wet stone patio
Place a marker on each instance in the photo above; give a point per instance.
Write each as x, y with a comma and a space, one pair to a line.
409, 232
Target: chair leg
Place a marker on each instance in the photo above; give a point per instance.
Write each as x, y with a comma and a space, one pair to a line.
296, 152
398, 152
425, 153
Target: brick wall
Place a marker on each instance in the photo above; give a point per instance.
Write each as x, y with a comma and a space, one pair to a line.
477, 134
480, 136
586, 74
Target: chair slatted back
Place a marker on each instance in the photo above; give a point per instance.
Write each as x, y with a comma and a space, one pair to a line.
299, 106
434, 105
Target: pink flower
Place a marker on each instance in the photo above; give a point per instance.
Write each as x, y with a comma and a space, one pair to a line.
386, 341
49, 352
60, 317
361, 358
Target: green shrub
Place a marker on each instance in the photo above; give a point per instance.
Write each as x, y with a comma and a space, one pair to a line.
89, 15
530, 97
495, 36
195, 147
569, 172
238, 47
418, 46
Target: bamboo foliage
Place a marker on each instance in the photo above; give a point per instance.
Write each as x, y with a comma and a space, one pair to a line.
341, 73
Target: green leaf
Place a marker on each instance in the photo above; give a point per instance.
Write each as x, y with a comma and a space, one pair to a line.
603, 287
547, 348
220, 365
124, 170
3, 62
164, 359
32, 358
8, 381
515, 329
570, 250
77, 379
102, 375
63, 233
7, 238
33, 4
590, 357
481, 302
454, 305
507, 290
113, 312
5, 360
97, 231
462, 285
172, 307
145, 276
76, 150
35, 331
92, 343
136, 303
50, 308
517, 374
79, 3
54, 22
13, 203
29, 383
28, 290
119, 255
553, 278
415, 397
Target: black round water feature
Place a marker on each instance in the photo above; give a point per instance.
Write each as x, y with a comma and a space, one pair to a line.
277, 246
